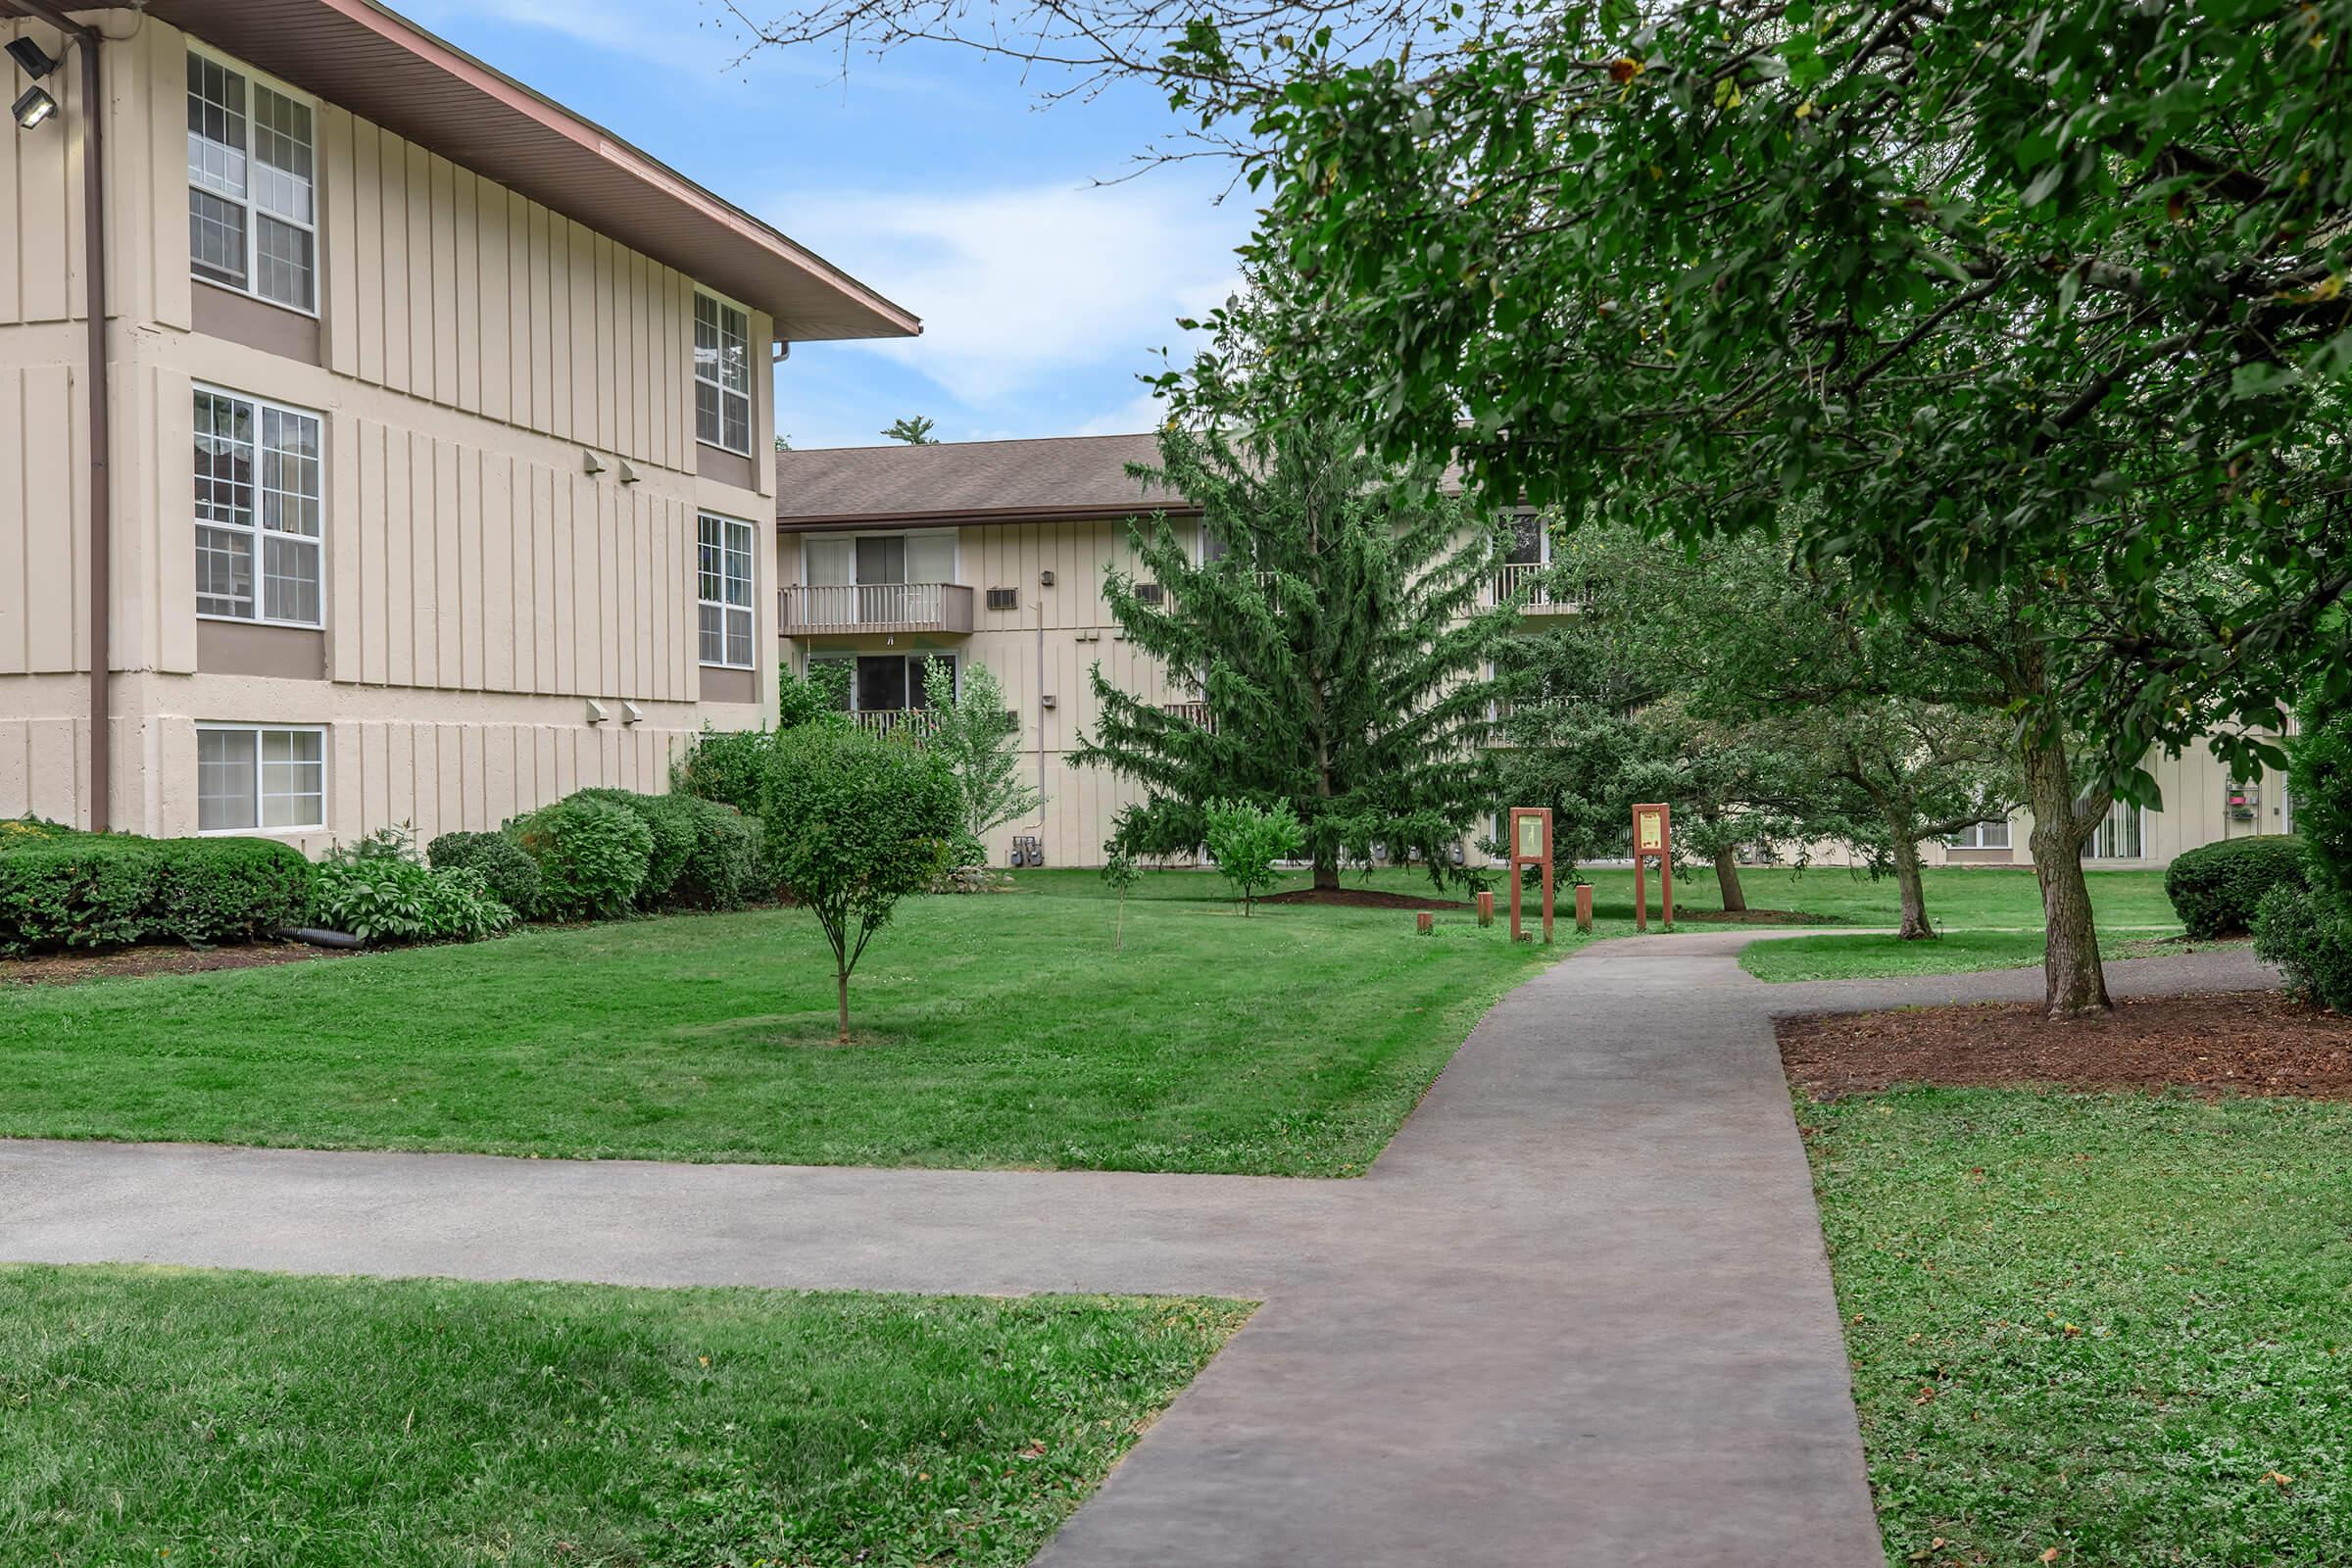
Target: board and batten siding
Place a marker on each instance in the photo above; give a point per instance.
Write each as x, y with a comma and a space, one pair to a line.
480, 586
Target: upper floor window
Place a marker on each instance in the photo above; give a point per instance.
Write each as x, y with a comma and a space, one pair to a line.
725, 577
722, 376
252, 201
257, 510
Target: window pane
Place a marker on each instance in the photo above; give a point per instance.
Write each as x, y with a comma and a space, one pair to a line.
882, 559
734, 349
739, 562
735, 421
293, 778
1994, 835
290, 580
281, 156
882, 683
224, 572
225, 780
1527, 539
931, 557
216, 126
216, 239
289, 478
714, 638
706, 413
739, 638
283, 258
224, 460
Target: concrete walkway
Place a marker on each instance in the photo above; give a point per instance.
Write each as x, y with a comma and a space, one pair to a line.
1577, 1314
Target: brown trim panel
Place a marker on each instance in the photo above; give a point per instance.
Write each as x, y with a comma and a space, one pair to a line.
282, 653
723, 685
727, 467
831, 521
235, 317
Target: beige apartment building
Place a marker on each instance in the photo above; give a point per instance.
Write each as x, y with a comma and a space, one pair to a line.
994, 553
433, 449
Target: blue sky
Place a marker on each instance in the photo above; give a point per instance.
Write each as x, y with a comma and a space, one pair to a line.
930, 175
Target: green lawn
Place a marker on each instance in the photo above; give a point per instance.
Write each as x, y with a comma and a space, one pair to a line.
2115, 1325
1865, 956
170, 1416
1957, 896
994, 1031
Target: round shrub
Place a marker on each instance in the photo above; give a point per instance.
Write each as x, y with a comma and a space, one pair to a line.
230, 890
107, 890
723, 869
2307, 935
2216, 888
505, 867
726, 765
673, 839
592, 856
390, 900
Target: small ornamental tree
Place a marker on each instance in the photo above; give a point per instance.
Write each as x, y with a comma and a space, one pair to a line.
980, 740
852, 823
1120, 873
1246, 840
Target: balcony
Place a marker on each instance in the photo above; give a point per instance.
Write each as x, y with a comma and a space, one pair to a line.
914, 723
1195, 713
1523, 580
874, 607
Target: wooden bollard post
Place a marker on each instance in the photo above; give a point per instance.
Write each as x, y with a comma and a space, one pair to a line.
1425, 922
1486, 908
1584, 906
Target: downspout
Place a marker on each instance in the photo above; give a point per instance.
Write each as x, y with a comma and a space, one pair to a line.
86, 41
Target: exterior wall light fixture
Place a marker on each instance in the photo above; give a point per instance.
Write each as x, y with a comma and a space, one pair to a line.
32, 107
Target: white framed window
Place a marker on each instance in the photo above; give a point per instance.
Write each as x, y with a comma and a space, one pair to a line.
252, 198
259, 509
881, 559
722, 374
724, 575
2121, 837
265, 778
1983, 836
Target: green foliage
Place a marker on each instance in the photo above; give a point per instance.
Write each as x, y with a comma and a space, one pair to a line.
673, 834
2075, 330
1120, 874
1341, 644
106, 890
913, 429
1247, 838
2308, 935
31, 832
726, 765
293, 1422
852, 823
723, 869
981, 742
505, 868
394, 840
820, 697
2320, 773
592, 856
384, 900
2216, 888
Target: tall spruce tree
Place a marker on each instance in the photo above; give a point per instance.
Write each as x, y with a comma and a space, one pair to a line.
1341, 633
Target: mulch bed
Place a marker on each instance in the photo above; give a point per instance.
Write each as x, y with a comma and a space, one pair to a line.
1361, 898
2240, 1042
65, 968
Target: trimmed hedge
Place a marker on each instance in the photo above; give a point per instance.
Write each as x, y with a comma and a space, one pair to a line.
2307, 935
110, 890
592, 856
2216, 888
505, 868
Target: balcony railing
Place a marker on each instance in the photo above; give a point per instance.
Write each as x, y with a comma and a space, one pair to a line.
1523, 580
1192, 713
915, 722
863, 606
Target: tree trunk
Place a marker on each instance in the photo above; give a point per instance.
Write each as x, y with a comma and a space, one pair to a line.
2073, 982
1327, 877
1912, 886
841, 989
1118, 932
1727, 877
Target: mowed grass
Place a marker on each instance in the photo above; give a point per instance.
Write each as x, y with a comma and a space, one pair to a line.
1957, 896
170, 1417
2115, 1327
990, 1031
1862, 957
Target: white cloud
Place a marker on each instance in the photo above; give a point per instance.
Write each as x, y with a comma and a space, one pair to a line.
1021, 286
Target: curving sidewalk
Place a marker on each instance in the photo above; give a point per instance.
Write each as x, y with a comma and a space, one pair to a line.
1577, 1312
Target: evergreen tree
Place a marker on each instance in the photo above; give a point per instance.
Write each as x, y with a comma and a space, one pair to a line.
1339, 635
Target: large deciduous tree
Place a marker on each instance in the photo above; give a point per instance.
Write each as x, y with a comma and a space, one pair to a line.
1339, 632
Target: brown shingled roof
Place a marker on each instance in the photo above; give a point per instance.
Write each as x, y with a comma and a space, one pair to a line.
1056, 477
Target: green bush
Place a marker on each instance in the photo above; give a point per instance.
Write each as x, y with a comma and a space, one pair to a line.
1246, 840
2320, 769
34, 832
592, 856
726, 765
384, 898
2216, 888
673, 835
95, 891
723, 868
2308, 936
505, 867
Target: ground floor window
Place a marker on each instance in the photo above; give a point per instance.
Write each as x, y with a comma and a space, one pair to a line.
2118, 838
250, 777
885, 683
1983, 836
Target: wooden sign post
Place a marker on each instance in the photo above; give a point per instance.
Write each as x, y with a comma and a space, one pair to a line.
1653, 835
1531, 845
